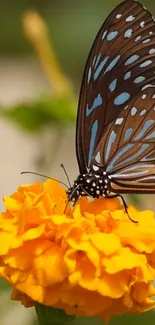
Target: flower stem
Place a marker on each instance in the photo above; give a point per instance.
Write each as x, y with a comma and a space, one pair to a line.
36, 31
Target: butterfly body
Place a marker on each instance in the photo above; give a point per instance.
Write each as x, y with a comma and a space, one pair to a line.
115, 131
94, 185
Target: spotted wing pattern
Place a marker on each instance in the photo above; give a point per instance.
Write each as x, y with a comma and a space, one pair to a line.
121, 62
128, 154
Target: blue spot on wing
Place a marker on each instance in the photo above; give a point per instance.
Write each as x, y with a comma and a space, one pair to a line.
145, 64
89, 75
92, 141
151, 136
149, 156
100, 67
112, 139
144, 129
136, 155
128, 134
130, 158
120, 153
132, 59
122, 98
112, 86
98, 101
112, 63
94, 61
127, 75
139, 79
112, 35
97, 60
128, 33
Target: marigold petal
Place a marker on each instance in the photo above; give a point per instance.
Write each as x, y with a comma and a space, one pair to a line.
49, 268
103, 204
141, 236
19, 296
125, 260
85, 246
70, 260
7, 240
113, 286
108, 244
33, 233
11, 204
140, 292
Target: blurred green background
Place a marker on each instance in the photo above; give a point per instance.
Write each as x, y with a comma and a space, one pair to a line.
37, 129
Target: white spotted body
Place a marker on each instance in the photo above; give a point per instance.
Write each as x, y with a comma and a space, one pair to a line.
90, 185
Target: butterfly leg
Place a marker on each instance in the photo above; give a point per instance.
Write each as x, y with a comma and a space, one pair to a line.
72, 197
124, 203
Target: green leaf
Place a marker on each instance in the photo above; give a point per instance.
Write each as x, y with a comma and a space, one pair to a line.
34, 116
52, 316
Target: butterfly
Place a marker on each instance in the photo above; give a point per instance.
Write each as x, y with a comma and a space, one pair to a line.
115, 130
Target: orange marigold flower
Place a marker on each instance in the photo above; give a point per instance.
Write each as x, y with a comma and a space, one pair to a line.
89, 260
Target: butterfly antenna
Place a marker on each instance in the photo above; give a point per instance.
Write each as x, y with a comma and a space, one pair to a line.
64, 169
37, 174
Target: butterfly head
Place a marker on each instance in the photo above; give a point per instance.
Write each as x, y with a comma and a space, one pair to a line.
89, 185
